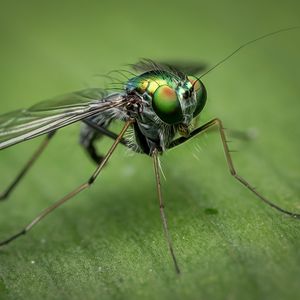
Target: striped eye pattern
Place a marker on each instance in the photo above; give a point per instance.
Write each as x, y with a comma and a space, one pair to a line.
201, 94
166, 105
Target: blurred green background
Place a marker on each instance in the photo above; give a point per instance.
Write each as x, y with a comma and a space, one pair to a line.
108, 242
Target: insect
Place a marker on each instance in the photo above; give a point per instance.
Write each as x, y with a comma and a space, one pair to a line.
159, 105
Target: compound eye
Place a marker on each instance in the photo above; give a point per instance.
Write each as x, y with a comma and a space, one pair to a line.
166, 105
201, 94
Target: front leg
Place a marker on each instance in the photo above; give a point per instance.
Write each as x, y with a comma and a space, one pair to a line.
218, 123
162, 209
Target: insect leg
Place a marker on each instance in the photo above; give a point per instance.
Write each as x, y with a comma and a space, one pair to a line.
161, 207
93, 132
217, 122
82, 187
28, 165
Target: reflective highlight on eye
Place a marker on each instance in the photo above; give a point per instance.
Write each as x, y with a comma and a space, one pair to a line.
201, 94
166, 105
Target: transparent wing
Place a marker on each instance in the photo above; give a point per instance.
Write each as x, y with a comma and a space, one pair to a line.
187, 68
49, 115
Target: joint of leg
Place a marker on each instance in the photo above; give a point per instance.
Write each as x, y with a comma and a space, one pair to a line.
233, 172
218, 121
161, 206
90, 181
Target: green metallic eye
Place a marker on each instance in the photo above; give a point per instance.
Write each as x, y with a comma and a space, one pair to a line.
201, 94
166, 105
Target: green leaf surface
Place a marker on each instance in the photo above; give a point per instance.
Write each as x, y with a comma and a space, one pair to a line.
108, 243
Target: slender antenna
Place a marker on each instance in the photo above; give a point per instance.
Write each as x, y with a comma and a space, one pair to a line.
246, 44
